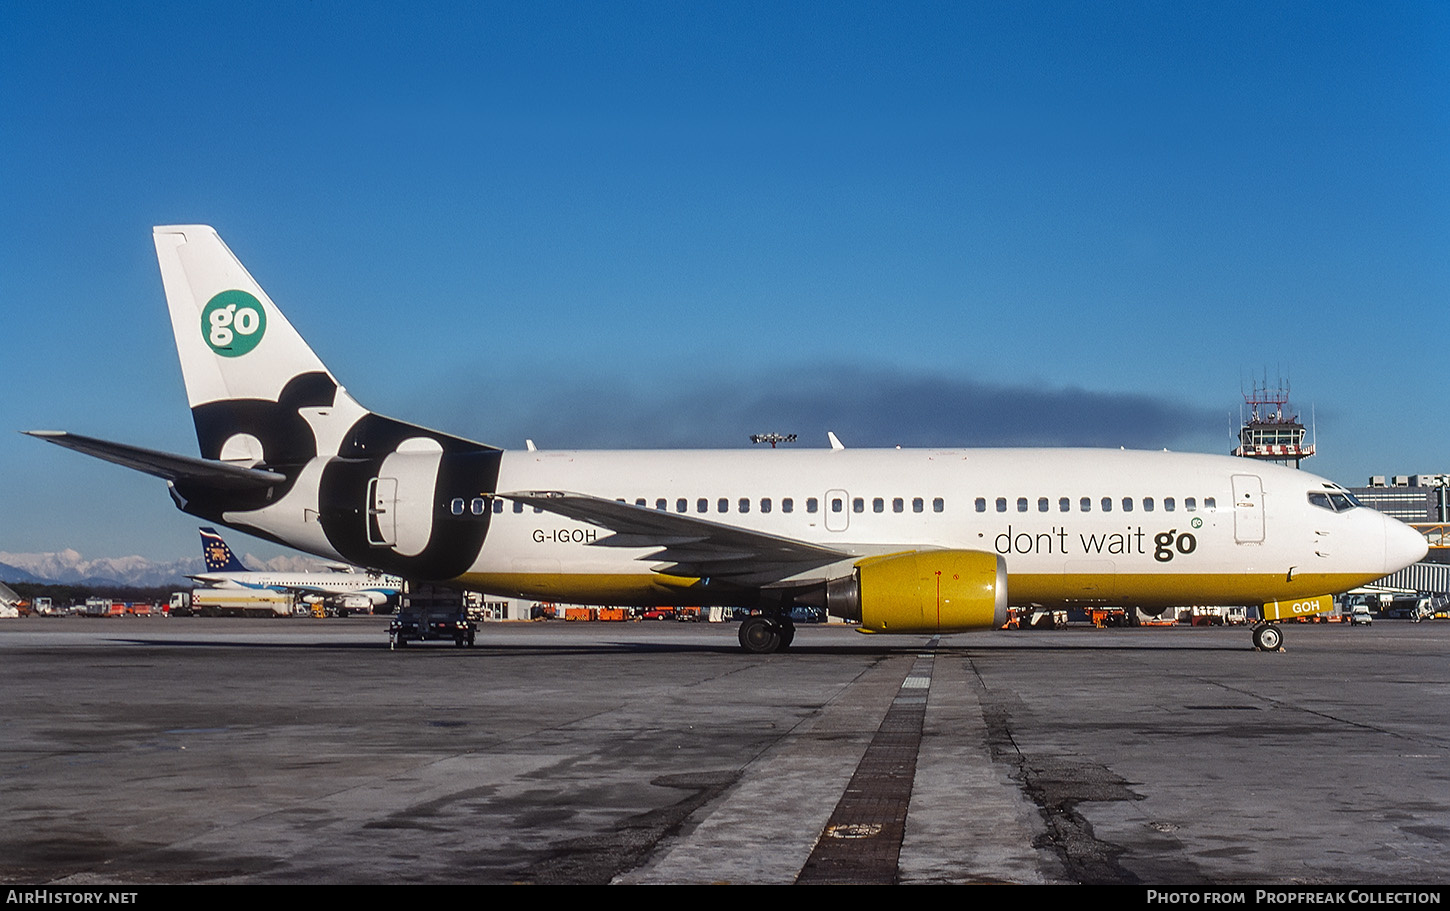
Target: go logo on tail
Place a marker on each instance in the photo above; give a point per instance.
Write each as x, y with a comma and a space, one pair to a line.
233, 323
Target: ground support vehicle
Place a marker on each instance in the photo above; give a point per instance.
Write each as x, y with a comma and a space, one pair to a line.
431, 624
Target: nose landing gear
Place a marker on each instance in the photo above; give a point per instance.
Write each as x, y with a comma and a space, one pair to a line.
1268, 637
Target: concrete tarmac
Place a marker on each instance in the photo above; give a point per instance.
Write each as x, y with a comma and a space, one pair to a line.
304, 751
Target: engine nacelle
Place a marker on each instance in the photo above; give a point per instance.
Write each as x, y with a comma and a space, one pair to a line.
930, 591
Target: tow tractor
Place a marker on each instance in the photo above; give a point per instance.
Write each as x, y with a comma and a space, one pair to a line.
430, 623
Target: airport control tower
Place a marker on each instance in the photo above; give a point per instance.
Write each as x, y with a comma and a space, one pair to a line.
1271, 433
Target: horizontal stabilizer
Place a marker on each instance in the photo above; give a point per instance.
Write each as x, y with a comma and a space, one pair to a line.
175, 468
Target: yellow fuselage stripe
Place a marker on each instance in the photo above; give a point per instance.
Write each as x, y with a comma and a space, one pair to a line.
1122, 589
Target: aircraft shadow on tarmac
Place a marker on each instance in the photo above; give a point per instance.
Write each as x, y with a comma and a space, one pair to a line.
726, 645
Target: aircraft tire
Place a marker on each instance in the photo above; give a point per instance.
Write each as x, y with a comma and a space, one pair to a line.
759, 636
1268, 638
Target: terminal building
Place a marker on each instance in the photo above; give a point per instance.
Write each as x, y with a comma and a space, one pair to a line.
1416, 498
1419, 500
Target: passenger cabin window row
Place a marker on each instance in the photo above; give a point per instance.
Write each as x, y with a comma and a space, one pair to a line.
743, 505
1336, 501
1089, 504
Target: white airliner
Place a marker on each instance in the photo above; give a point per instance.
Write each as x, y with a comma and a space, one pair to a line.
9, 602
903, 541
224, 570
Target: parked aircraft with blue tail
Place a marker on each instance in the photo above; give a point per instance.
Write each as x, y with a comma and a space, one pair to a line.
900, 540
339, 582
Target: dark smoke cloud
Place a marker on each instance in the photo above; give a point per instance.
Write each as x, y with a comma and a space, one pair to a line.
865, 406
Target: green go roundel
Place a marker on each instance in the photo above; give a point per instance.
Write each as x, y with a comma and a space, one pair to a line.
233, 323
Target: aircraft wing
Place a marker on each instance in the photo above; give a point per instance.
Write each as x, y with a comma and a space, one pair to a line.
164, 464
687, 546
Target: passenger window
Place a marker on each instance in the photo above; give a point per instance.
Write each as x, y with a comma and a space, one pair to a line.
661, 504
639, 502
1147, 504
518, 507
938, 504
1127, 504
682, 505
1210, 503
1086, 505
917, 505
1107, 504
837, 504
1064, 505
702, 505
878, 505
476, 507
898, 505
723, 505
745, 504
456, 507
858, 504
1042, 504
1190, 504
981, 504
787, 505
811, 505
765, 504
1001, 504
497, 506
1021, 504
1168, 504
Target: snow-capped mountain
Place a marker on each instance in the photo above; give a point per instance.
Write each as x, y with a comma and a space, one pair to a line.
68, 566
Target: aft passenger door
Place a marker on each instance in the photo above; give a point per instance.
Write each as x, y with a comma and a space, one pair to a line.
382, 502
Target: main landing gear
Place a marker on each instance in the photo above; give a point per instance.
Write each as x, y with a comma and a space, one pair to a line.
762, 634
1268, 637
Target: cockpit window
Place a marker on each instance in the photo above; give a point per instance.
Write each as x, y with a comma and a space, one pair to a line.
1338, 501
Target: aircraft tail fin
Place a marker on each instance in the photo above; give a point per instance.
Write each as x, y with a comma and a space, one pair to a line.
219, 557
258, 392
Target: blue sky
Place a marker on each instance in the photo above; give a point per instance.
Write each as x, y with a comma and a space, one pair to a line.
676, 224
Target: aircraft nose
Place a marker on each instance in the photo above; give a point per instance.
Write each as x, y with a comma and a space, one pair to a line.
1403, 545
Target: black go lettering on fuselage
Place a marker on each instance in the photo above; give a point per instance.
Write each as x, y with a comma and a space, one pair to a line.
1167, 543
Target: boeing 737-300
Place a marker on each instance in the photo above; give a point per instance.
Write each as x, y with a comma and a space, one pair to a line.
900, 540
